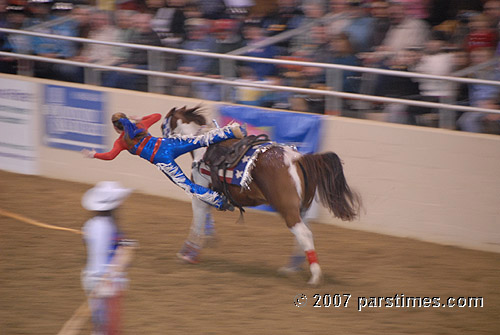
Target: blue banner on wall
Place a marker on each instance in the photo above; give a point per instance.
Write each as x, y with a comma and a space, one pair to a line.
74, 118
299, 129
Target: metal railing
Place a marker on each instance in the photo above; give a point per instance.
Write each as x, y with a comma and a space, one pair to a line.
332, 70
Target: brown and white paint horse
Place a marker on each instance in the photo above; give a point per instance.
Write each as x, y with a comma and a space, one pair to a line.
282, 178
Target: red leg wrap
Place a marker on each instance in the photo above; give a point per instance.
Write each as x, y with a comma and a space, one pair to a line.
114, 306
311, 256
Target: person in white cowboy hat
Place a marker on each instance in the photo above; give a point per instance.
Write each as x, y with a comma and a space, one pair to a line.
103, 281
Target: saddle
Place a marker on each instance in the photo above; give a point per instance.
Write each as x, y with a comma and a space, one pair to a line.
222, 157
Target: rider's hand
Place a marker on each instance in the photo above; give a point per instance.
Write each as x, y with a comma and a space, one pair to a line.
88, 153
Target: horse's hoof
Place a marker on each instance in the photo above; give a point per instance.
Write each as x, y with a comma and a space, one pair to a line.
316, 275
315, 281
289, 270
188, 259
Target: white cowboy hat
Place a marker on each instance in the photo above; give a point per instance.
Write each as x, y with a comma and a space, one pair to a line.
105, 196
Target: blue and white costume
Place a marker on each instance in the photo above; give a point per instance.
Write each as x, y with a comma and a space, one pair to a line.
162, 152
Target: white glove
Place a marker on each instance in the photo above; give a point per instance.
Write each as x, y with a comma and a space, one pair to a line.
88, 153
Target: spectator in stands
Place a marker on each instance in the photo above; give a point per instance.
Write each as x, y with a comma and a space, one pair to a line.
40, 11
286, 16
436, 60
100, 29
212, 9
252, 96
379, 11
133, 5
3, 12
315, 49
398, 87
480, 94
3, 37
490, 122
81, 15
468, 5
227, 38
343, 53
441, 11
168, 21
360, 28
125, 31
481, 34
404, 32
338, 16
65, 49
461, 61
54, 48
198, 39
13, 17
253, 33
457, 29
492, 10
418, 9
313, 11
137, 58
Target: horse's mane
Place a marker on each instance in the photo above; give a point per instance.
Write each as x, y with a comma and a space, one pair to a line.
194, 115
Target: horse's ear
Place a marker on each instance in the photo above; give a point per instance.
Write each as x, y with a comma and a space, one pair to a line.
197, 108
170, 112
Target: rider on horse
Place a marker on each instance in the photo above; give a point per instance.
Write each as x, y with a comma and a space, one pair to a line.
162, 152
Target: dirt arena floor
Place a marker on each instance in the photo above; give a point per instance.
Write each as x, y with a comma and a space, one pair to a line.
236, 288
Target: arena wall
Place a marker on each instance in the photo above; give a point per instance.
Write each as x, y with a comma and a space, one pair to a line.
424, 183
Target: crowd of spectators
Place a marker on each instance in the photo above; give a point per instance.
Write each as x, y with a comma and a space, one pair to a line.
436, 37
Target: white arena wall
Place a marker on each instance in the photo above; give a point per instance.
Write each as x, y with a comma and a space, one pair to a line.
429, 184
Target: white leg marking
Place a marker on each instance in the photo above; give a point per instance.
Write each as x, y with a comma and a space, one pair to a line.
303, 235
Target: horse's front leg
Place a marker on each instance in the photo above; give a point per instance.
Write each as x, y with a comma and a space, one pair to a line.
202, 229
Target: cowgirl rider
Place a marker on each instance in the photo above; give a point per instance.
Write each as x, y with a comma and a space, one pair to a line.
162, 152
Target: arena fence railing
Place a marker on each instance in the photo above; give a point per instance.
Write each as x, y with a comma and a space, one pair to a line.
446, 109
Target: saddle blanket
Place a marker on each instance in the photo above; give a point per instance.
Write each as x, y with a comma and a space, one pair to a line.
240, 174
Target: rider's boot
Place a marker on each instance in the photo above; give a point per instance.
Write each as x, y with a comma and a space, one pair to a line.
219, 201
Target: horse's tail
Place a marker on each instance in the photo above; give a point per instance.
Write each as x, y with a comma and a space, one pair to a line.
326, 173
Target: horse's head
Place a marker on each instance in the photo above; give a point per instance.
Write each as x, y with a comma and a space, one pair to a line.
183, 121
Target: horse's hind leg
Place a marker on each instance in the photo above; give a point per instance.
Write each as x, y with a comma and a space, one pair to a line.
284, 194
288, 205
304, 238
297, 258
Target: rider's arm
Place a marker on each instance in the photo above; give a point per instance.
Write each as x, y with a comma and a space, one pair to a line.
118, 147
149, 120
